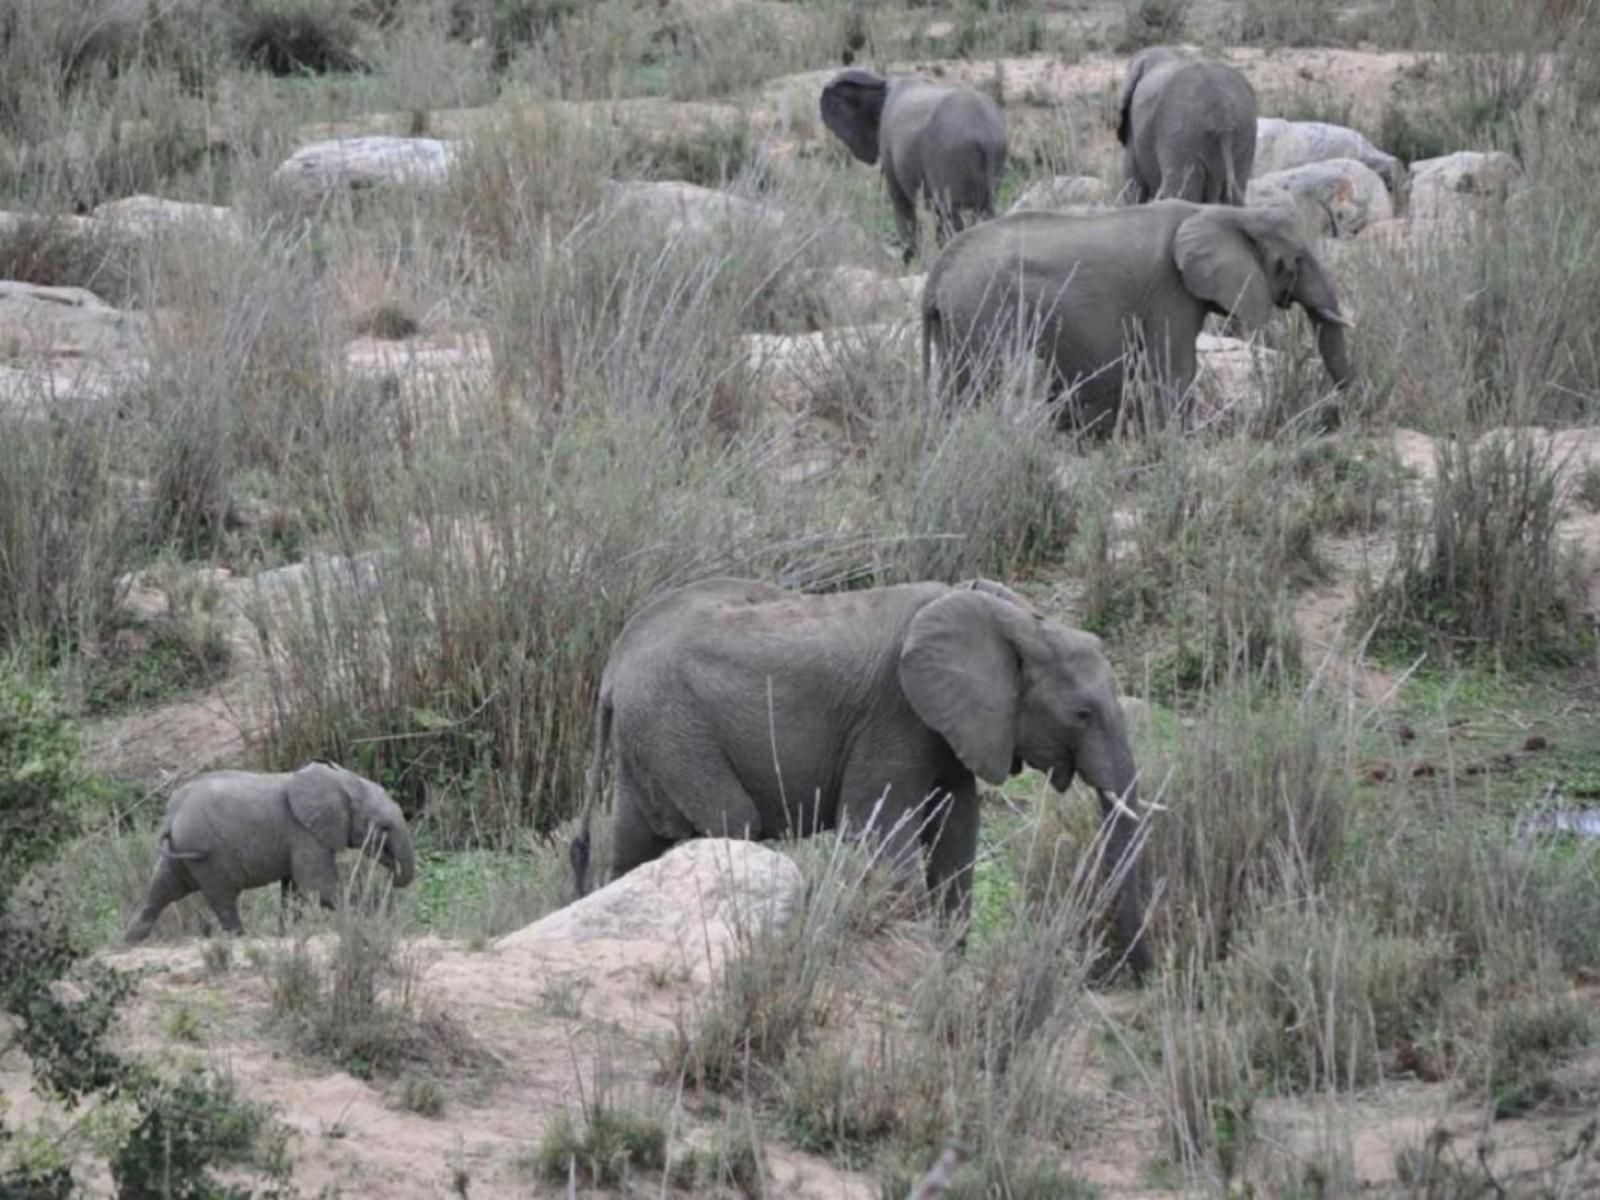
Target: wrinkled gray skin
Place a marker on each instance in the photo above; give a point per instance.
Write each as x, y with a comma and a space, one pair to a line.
1187, 128
1079, 288
740, 709
231, 830
941, 144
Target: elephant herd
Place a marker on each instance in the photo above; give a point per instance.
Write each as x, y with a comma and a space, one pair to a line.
1098, 297
735, 708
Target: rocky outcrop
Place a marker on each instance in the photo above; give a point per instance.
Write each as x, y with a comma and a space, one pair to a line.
1282, 145
145, 216
1455, 185
1337, 198
689, 906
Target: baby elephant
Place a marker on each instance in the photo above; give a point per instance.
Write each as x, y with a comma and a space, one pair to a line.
231, 830
938, 143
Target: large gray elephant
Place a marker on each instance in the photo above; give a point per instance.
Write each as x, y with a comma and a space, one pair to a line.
1187, 128
1083, 290
742, 709
939, 143
227, 831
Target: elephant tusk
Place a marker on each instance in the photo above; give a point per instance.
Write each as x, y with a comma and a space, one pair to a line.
1333, 317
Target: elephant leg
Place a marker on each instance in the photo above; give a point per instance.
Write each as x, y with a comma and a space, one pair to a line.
633, 841
899, 815
905, 216
954, 844
313, 869
224, 901
169, 884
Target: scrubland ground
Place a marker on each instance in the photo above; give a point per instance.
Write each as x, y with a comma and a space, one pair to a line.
376, 473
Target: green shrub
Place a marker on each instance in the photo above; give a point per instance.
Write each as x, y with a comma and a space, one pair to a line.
297, 37
609, 1146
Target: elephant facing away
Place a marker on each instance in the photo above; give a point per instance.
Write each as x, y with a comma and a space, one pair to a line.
942, 144
228, 831
1082, 290
1187, 129
740, 709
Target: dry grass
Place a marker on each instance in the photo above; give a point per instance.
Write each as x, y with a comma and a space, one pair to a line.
621, 443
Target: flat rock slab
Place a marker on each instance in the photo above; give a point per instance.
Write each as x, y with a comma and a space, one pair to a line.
358, 163
149, 215
63, 322
686, 209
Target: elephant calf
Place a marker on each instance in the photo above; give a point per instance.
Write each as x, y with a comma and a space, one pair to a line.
1187, 128
940, 143
739, 709
228, 831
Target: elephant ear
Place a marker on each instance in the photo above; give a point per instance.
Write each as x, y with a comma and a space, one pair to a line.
960, 671
320, 799
1220, 264
852, 106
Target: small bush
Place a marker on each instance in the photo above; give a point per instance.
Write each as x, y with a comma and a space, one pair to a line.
1256, 809
1289, 22
40, 780
1152, 23
422, 1095
144, 661
610, 1145
297, 37
1486, 573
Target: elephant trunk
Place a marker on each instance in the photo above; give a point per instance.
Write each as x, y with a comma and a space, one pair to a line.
403, 857
1315, 293
1119, 800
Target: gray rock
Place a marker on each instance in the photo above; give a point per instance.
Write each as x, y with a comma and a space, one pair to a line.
149, 215
703, 890
1336, 198
1454, 185
357, 163
1061, 193
63, 322
678, 209
1282, 144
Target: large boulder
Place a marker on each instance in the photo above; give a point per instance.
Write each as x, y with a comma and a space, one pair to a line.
1337, 198
1230, 378
687, 210
353, 164
1454, 185
1282, 144
1062, 193
691, 903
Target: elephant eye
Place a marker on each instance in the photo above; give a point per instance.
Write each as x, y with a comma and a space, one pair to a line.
1085, 715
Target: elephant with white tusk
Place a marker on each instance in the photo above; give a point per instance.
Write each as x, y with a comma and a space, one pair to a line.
740, 709
1081, 290
228, 831
941, 144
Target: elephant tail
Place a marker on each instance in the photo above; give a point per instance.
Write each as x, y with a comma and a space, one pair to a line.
164, 848
1232, 189
578, 851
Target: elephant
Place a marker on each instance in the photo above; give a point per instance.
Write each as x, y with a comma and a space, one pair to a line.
939, 143
226, 831
738, 708
1083, 290
1187, 129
